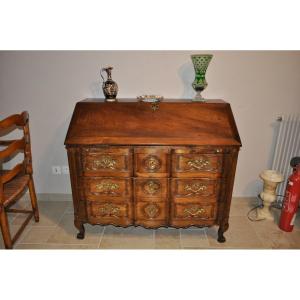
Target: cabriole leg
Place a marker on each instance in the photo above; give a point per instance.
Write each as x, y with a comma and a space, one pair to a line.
79, 225
222, 229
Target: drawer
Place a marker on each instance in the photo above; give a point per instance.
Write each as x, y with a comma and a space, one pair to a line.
151, 214
107, 161
151, 162
120, 214
189, 214
103, 188
152, 189
195, 190
190, 163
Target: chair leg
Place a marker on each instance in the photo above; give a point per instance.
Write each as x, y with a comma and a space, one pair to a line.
5, 229
33, 200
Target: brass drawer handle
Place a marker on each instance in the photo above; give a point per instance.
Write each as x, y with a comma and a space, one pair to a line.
199, 163
107, 187
110, 210
105, 162
193, 211
195, 188
151, 187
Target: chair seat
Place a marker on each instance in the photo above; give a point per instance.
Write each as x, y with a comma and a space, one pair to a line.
14, 187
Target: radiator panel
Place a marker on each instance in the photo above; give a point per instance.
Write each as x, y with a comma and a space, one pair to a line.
287, 147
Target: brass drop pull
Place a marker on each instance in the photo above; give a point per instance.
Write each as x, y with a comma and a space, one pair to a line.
193, 211
107, 187
199, 164
105, 162
195, 188
110, 210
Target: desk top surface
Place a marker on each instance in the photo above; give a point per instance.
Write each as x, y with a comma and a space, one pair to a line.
173, 122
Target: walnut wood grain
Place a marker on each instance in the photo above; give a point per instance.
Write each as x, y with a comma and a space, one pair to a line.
175, 122
130, 165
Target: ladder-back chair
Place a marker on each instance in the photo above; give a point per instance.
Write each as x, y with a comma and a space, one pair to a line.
14, 182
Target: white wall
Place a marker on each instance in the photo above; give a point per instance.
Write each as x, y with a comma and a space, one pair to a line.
259, 85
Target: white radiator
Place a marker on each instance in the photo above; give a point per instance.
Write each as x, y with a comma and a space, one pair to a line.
287, 147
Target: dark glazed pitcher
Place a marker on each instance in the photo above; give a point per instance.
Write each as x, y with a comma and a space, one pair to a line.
110, 87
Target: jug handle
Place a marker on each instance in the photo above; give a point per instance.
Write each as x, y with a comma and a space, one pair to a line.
101, 70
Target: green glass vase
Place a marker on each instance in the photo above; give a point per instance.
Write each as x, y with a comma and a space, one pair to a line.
200, 62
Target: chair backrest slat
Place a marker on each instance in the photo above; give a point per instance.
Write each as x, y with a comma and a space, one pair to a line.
12, 148
12, 173
6, 143
14, 120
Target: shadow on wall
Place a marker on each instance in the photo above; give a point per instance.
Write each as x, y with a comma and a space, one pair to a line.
55, 155
186, 73
96, 89
254, 185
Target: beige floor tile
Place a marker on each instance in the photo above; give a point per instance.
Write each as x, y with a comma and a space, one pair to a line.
241, 206
70, 208
293, 238
1, 242
274, 238
55, 246
19, 220
37, 235
66, 233
127, 238
13, 230
193, 238
167, 238
51, 213
240, 235
56, 231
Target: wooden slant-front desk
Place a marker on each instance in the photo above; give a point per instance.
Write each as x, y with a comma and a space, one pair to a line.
136, 163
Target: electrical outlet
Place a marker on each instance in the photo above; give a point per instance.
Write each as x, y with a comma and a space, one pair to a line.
65, 170
56, 170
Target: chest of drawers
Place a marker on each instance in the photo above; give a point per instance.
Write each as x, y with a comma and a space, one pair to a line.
173, 165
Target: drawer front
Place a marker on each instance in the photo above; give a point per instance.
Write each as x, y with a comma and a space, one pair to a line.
151, 162
189, 163
103, 188
195, 190
110, 213
188, 214
152, 189
151, 214
107, 161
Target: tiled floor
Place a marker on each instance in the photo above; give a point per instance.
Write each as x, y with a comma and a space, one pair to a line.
56, 231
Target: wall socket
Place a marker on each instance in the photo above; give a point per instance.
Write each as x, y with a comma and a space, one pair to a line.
58, 170
65, 170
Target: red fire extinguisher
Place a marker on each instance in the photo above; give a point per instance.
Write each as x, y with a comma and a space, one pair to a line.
291, 198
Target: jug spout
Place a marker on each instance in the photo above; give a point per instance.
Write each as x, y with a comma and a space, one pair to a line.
108, 73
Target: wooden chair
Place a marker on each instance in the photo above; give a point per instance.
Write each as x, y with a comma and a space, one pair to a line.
14, 182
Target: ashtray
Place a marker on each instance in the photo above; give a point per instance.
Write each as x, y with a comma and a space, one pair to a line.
150, 98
